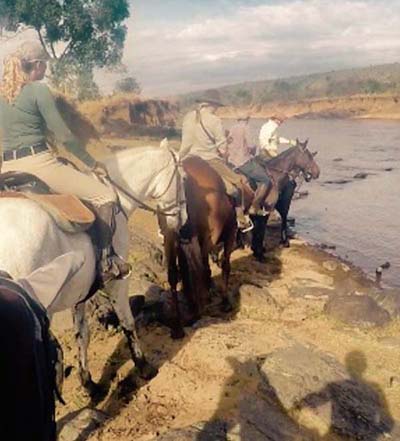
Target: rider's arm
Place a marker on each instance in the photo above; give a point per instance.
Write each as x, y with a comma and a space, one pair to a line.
54, 122
283, 140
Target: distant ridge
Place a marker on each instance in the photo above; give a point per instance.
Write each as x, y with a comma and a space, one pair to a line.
373, 80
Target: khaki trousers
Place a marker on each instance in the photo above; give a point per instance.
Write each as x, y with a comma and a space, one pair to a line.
62, 178
233, 181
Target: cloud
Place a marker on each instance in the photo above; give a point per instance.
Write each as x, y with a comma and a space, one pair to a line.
262, 41
173, 46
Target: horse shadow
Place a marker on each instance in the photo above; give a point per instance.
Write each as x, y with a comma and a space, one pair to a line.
250, 408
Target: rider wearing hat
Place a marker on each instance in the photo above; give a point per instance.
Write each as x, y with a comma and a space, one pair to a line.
203, 135
270, 139
27, 111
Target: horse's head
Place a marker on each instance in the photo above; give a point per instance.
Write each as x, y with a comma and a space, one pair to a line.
305, 161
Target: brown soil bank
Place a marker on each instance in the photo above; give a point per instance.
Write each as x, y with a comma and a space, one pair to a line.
310, 353
129, 115
358, 106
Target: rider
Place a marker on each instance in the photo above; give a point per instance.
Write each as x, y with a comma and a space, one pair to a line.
270, 139
241, 156
203, 135
27, 110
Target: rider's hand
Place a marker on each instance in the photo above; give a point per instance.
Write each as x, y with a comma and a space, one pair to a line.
100, 170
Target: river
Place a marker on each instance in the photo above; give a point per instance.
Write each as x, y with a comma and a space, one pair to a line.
360, 217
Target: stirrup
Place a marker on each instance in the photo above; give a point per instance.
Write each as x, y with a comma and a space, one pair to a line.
249, 227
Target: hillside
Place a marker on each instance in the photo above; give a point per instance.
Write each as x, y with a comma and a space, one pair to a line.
364, 92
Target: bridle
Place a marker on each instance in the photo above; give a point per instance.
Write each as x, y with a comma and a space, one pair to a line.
179, 202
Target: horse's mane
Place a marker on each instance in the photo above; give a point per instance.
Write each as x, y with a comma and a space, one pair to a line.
282, 155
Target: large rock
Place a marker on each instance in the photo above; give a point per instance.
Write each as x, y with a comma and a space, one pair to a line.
358, 310
204, 431
81, 425
324, 394
257, 303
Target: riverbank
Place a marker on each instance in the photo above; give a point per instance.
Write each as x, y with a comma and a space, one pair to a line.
303, 311
357, 106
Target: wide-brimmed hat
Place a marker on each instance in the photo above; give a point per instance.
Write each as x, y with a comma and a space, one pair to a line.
211, 97
32, 51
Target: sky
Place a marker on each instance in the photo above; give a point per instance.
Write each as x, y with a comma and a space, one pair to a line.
176, 46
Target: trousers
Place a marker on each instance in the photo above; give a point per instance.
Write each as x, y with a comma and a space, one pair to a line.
62, 178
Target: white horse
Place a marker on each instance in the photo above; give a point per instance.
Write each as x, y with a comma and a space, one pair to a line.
31, 239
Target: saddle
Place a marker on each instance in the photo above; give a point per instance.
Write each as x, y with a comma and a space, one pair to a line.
69, 213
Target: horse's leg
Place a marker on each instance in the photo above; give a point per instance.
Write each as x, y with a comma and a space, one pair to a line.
282, 207
257, 241
82, 335
120, 302
229, 245
170, 243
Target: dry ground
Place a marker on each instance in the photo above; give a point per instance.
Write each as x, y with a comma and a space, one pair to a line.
280, 302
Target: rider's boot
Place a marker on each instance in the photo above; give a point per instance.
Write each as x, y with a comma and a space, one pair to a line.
257, 207
243, 221
111, 265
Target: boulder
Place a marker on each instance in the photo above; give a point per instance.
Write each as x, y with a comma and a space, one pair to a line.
357, 310
83, 423
257, 303
204, 431
324, 394
361, 175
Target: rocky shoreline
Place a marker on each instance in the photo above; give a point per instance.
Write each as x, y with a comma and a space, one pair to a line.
249, 375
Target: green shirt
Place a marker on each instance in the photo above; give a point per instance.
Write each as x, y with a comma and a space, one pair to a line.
24, 122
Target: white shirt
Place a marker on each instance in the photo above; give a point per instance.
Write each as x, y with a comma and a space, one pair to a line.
269, 138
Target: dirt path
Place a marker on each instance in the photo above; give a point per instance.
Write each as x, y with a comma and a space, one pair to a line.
205, 376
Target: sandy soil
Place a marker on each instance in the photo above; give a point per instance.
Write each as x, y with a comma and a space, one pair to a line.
279, 302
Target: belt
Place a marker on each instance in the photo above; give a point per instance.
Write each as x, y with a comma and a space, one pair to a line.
10, 155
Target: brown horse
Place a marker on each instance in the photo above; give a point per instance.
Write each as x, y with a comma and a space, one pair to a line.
27, 382
211, 222
291, 162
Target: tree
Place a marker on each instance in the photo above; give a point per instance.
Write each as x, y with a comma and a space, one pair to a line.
128, 84
78, 35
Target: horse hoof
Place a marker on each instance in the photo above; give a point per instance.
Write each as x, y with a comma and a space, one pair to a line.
226, 306
285, 243
93, 389
177, 334
260, 258
148, 371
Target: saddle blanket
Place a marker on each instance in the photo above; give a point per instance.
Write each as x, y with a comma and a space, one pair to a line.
69, 213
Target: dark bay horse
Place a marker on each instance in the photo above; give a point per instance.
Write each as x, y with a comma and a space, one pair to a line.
27, 382
211, 222
282, 170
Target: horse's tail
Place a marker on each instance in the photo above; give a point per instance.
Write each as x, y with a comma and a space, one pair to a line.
194, 280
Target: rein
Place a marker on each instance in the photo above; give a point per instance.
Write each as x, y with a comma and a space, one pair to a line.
147, 207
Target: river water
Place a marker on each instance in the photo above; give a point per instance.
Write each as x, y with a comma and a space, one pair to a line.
360, 217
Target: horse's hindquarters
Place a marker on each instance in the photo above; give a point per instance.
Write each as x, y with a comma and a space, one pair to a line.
26, 411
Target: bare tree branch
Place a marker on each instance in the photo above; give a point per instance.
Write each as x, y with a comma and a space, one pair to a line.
53, 51
67, 49
42, 42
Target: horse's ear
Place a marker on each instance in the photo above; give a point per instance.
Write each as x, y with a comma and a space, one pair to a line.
314, 154
164, 144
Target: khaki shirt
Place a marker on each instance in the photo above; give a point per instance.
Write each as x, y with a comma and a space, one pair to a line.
203, 135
